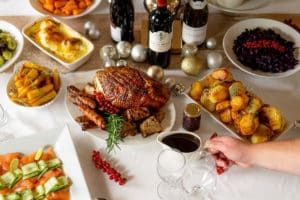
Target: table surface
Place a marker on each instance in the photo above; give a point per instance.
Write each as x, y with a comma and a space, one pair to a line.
139, 161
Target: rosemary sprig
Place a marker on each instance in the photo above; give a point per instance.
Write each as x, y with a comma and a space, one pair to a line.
114, 128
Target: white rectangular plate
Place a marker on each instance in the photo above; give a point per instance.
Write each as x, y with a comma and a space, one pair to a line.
64, 149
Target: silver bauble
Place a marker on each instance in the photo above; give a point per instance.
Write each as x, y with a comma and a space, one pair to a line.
156, 72
124, 49
189, 50
214, 60
139, 53
108, 52
88, 26
170, 82
211, 43
121, 63
109, 63
94, 34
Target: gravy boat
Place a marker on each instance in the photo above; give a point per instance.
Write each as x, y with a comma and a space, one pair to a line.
188, 143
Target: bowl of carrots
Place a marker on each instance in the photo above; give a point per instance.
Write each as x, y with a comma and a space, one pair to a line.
66, 9
33, 85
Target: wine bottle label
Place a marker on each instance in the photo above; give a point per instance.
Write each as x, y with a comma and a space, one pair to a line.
197, 5
160, 41
115, 32
193, 35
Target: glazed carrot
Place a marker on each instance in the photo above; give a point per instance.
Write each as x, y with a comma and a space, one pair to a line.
59, 4
77, 11
49, 7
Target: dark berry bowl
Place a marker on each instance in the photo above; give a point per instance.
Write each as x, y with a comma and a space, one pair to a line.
263, 48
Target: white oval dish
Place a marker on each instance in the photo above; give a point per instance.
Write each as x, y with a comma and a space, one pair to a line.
71, 32
38, 7
17, 35
285, 32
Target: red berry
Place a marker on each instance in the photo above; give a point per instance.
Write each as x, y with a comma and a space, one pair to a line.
220, 170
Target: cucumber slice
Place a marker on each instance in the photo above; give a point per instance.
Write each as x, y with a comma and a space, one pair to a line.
39, 192
54, 184
27, 195
43, 167
53, 163
14, 164
2, 184
50, 184
30, 170
9, 179
39, 154
18, 173
13, 196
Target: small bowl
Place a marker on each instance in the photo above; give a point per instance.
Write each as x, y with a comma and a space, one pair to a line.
30, 29
11, 85
17, 35
35, 4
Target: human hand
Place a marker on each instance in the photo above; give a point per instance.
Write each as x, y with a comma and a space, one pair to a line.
227, 151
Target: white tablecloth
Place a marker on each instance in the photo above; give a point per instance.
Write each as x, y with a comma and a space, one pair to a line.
139, 161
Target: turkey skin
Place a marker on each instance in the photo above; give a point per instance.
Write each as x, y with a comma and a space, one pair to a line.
126, 87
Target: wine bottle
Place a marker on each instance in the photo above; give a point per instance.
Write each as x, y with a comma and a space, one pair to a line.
160, 35
121, 20
195, 19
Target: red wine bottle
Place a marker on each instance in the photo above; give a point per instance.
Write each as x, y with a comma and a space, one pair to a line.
121, 20
195, 19
160, 35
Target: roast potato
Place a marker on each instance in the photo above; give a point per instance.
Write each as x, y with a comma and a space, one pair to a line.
248, 124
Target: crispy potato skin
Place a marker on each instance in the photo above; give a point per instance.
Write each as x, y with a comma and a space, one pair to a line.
235, 106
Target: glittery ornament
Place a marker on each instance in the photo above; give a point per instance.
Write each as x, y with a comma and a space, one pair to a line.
121, 63
170, 82
192, 65
178, 89
109, 63
138, 53
108, 52
211, 43
189, 50
214, 60
124, 49
94, 34
156, 72
88, 26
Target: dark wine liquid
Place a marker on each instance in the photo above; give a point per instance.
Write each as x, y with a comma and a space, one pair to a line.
183, 142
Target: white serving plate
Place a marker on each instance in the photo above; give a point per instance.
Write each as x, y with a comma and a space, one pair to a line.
286, 32
17, 35
72, 65
230, 128
38, 7
11, 83
247, 5
64, 149
167, 123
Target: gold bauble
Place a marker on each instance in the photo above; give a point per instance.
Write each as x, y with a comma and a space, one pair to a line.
172, 5
192, 65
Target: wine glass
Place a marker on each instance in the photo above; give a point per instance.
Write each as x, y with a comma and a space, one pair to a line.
199, 180
170, 168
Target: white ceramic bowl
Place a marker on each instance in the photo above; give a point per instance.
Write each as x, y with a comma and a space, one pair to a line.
16, 33
285, 31
70, 65
38, 7
11, 85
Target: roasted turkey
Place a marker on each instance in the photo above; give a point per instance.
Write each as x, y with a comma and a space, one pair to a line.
127, 87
